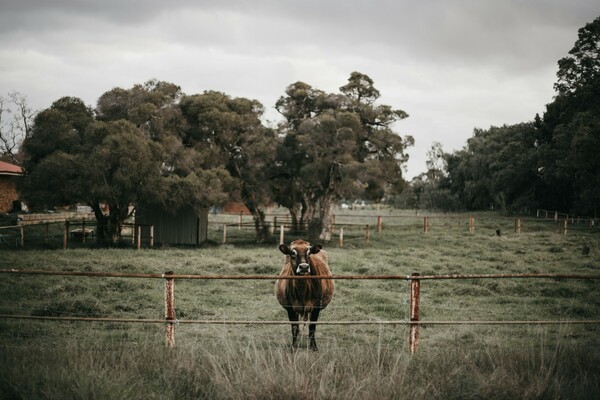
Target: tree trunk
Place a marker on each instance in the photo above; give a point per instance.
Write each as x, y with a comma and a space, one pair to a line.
261, 227
326, 217
108, 231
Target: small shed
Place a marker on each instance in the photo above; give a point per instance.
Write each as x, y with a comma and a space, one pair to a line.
185, 226
8, 186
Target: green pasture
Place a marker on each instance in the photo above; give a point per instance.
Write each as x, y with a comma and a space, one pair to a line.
51, 359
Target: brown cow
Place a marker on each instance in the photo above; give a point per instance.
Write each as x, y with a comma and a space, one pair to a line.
304, 297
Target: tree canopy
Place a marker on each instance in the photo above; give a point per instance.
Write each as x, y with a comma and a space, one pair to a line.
550, 162
336, 145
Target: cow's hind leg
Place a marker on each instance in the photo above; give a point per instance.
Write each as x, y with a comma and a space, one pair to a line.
314, 316
293, 317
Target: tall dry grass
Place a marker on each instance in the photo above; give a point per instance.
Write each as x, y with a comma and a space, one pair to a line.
254, 369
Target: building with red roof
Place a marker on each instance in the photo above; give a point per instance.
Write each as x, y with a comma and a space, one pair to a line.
8, 186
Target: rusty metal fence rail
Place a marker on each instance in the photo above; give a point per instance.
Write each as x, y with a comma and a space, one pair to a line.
413, 322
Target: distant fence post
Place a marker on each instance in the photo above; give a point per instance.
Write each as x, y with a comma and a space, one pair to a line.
66, 236
472, 225
139, 237
151, 235
425, 224
415, 298
566, 226
281, 234
170, 309
22, 236
379, 223
518, 225
240, 223
367, 233
224, 233
342, 236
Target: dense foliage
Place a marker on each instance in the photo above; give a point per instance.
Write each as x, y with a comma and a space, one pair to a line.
154, 145
336, 146
551, 162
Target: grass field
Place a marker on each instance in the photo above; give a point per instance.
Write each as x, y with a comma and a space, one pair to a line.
50, 359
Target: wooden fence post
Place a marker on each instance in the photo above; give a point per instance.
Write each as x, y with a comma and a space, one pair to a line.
22, 236
342, 236
566, 226
224, 233
66, 236
415, 298
139, 237
472, 225
151, 235
379, 223
240, 223
518, 225
367, 233
425, 224
281, 234
170, 309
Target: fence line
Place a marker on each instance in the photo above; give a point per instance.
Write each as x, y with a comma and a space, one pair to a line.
267, 322
413, 322
271, 277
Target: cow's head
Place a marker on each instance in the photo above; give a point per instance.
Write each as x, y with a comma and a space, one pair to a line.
300, 252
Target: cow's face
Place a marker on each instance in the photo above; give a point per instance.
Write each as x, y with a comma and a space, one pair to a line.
300, 255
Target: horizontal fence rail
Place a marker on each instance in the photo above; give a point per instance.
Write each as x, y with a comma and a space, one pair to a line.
271, 277
266, 322
413, 322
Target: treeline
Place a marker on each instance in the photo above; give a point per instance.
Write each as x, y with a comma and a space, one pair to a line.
551, 162
153, 144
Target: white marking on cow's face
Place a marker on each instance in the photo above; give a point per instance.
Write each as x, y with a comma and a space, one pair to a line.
303, 269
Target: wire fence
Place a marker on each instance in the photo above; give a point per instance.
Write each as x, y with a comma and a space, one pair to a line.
357, 228
412, 320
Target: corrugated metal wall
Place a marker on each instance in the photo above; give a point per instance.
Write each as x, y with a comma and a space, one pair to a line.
186, 226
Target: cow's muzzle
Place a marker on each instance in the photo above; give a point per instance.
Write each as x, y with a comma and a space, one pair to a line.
303, 269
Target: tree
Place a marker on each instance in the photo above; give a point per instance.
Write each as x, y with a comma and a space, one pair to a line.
569, 129
14, 129
119, 167
191, 174
71, 158
580, 69
497, 168
227, 132
335, 146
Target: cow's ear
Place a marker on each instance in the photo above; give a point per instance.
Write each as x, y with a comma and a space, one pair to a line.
284, 249
315, 248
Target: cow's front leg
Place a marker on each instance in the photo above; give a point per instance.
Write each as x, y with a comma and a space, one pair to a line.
314, 316
293, 317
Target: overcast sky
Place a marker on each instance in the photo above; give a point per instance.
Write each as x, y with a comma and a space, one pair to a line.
451, 65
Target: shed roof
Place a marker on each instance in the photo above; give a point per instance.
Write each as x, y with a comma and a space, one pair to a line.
10, 169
